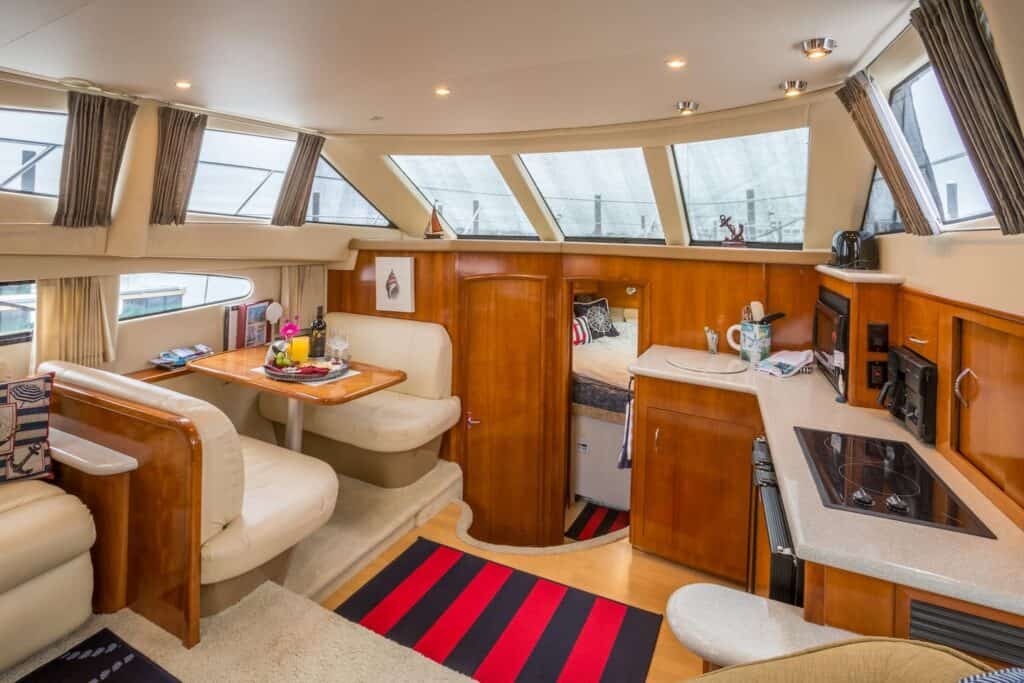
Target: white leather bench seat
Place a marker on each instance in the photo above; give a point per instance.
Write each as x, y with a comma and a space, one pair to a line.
287, 497
386, 422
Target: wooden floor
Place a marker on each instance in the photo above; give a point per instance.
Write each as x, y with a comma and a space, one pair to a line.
615, 571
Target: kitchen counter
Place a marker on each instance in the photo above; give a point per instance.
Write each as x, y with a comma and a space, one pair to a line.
979, 570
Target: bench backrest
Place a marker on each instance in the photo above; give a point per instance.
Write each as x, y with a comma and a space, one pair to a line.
422, 350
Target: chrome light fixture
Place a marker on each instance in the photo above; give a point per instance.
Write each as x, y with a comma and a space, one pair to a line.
687, 107
819, 48
793, 88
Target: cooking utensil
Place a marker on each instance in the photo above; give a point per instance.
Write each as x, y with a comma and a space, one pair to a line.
772, 318
756, 311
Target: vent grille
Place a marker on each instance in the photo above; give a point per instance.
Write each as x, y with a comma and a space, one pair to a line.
967, 632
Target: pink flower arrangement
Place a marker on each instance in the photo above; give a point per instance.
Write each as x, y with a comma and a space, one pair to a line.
290, 328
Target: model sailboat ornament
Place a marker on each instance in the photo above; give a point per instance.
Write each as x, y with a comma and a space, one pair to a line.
433, 231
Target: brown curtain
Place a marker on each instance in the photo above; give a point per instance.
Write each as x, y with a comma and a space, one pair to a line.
895, 160
298, 181
94, 143
177, 154
955, 34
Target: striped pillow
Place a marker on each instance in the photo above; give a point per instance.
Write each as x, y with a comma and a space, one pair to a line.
581, 331
1001, 676
25, 428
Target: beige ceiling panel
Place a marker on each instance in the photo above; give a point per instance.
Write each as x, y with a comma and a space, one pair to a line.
526, 193
661, 168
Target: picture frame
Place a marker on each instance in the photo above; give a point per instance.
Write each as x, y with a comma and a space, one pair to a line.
395, 283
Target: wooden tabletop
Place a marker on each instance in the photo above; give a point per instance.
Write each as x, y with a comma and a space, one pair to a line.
237, 366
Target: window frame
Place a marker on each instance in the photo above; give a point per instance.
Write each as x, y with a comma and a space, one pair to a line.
205, 304
37, 158
589, 239
970, 223
535, 237
11, 338
780, 246
391, 224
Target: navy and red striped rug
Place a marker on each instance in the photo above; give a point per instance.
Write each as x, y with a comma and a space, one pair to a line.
597, 520
495, 624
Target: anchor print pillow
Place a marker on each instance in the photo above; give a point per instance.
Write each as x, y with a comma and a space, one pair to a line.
598, 317
25, 429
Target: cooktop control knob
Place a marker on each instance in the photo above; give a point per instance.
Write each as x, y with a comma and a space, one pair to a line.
863, 498
896, 503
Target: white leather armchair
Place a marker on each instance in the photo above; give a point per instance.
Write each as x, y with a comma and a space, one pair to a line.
46, 578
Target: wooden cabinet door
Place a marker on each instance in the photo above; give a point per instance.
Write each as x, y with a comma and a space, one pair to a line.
503, 361
696, 491
990, 426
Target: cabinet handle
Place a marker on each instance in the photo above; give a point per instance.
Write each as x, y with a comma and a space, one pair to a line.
957, 382
917, 340
657, 436
470, 422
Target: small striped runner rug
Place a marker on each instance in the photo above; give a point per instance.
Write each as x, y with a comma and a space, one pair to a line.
597, 520
495, 624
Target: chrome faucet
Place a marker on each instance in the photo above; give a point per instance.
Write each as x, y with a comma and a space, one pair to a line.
712, 340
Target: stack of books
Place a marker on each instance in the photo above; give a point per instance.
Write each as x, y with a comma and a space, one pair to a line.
246, 325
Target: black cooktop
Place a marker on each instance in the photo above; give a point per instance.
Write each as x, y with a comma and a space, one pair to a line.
883, 478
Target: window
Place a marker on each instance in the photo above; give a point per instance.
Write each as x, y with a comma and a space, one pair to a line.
598, 195
334, 200
923, 115
17, 311
758, 180
239, 174
145, 294
469, 192
31, 150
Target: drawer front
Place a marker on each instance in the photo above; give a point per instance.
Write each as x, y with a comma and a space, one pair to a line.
920, 326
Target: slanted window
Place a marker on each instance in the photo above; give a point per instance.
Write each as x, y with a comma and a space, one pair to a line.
923, 115
334, 200
17, 311
144, 294
469, 192
239, 174
598, 195
31, 150
759, 181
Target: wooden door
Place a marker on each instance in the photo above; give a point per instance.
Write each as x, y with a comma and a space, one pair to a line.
696, 497
503, 357
990, 427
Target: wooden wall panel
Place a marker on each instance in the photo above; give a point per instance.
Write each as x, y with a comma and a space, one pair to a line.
794, 291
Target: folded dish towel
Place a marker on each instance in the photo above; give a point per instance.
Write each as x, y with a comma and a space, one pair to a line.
786, 363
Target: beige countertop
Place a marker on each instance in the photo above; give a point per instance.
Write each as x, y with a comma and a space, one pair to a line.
979, 570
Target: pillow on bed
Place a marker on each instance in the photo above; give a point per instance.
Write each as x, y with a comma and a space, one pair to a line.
580, 332
25, 428
598, 318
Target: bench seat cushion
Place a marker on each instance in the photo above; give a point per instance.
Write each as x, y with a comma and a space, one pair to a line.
386, 422
287, 497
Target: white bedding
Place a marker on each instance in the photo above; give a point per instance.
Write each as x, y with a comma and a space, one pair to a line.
607, 358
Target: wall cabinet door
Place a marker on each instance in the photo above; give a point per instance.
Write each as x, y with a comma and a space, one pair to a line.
696, 495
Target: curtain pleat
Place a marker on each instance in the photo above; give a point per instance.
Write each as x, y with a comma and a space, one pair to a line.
293, 201
293, 289
892, 155
73, 322
94, 143
177, 155
955, 34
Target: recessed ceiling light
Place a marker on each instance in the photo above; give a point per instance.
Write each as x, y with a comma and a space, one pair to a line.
793, 88
818, 48
442, 91
687, 107
183, 85
675, 63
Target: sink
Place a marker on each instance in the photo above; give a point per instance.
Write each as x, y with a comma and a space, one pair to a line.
724, 364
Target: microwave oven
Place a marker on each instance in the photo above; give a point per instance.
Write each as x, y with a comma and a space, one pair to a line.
832, 338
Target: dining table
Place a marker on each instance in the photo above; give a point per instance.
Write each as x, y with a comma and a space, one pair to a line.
245, 366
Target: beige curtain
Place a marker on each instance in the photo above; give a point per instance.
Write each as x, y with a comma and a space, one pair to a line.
177, 154
298, 285
74, 321
97, 132
881, 133
955, 34
293, 201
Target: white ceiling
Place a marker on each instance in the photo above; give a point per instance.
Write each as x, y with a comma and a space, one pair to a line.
520, 65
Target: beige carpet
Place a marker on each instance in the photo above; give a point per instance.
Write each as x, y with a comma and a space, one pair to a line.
272, 635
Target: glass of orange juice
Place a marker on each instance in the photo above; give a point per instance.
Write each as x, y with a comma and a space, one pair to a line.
299, 349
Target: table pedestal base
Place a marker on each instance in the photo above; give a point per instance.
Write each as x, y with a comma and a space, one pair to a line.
293, 427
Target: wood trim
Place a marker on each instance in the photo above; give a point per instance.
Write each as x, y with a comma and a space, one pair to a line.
153, 375
164, 501
964, 305
814, 593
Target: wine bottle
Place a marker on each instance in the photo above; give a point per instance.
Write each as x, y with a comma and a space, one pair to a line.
318, 335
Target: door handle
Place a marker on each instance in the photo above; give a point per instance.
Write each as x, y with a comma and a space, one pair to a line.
917, 340
657, 436
470, 422
958, 381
